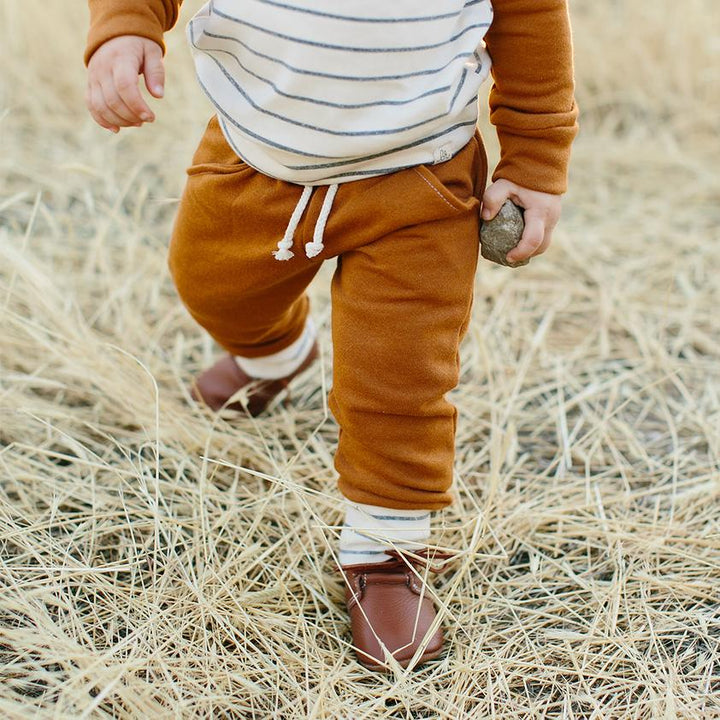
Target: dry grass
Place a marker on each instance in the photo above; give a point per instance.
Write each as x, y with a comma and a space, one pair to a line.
160, 563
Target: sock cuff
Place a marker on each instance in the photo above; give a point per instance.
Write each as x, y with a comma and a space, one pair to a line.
369, 530
284, 362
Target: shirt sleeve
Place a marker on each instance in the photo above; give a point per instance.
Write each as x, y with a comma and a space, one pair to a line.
146, 18
532, 103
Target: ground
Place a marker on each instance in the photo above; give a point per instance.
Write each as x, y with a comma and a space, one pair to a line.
159, 562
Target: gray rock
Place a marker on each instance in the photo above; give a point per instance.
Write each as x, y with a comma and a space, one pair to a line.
501, 234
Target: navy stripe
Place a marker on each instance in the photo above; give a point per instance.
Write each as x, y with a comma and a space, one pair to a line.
347, 48
331, 76
408, 146
353, 161
370, 173
349, 18
363, 552
254, 83
461, 82
317, 128
399, 517
250, 133
316, 101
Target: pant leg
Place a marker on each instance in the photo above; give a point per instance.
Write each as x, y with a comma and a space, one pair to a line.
228, 224
401, 305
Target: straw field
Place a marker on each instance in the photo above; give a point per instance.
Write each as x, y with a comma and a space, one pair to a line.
157, 562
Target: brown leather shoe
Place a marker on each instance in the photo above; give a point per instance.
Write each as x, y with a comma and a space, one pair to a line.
389, 606
216, 385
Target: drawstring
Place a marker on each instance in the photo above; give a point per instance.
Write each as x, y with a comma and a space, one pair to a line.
283, 252
315, 247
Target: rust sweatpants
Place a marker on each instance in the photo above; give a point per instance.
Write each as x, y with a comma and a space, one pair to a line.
407, 250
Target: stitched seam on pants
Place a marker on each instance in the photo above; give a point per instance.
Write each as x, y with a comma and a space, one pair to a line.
434, 189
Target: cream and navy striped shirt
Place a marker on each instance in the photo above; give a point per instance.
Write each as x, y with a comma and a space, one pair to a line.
322, 92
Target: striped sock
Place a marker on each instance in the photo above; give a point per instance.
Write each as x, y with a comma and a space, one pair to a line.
370, 529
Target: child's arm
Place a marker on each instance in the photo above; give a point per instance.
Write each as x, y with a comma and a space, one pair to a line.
533, 109
125, 40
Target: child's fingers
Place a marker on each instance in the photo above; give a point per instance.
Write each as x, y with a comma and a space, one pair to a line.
125, 79
154, 69
116, 110
494, 197
96, 106
544, 245
111, 116
532, 238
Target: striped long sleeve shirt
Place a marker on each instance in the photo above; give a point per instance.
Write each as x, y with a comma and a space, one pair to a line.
316, 91
321, 92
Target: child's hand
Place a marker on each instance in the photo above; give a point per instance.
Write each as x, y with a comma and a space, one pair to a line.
113, 96
542, 212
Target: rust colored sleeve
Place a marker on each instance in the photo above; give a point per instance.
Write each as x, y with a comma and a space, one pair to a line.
532, 102
112, 18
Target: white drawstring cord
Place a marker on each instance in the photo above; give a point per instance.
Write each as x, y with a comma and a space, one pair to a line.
316, 246
283, 251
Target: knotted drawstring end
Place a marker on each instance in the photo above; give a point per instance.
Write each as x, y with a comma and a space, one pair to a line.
313, 248
283, 254
283, 251
316, 246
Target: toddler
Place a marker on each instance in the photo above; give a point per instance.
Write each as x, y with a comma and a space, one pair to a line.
347, 130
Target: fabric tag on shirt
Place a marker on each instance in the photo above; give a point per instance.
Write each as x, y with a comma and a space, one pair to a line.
442, 154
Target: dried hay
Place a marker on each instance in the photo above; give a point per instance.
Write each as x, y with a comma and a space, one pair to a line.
157, 562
